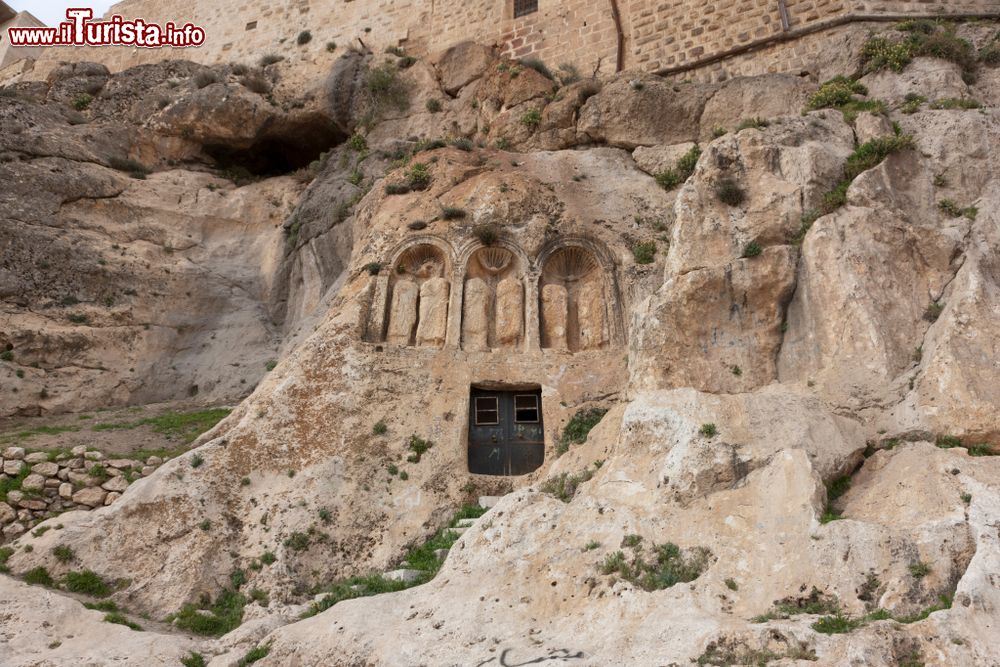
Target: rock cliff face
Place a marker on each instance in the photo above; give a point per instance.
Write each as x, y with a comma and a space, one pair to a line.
787, 315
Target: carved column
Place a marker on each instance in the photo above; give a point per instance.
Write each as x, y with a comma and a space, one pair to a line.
532, 330
432, 324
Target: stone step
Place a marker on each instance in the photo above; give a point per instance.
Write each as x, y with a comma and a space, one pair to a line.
459, 530
487, 502
465, 523
440, 554
406, 576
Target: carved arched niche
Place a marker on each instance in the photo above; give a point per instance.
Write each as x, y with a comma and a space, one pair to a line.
493, 304
418, 298
573, 306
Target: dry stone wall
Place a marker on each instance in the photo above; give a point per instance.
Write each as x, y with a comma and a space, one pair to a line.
51, 484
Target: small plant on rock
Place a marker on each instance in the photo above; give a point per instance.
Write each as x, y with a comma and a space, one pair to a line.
728, 192
82, 101
644, 252
531, 119
486, 234
418, 446
380, 428
578, 428
752, 249
304, 38
708, 430
671, 178
63, 553
434, 105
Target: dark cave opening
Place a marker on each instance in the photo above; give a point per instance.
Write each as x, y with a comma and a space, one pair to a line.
280, 149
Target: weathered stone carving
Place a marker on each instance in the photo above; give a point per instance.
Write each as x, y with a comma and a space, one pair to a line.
580, 309
555, 310
590, 315
509, 312
476, 315
402, 313
433, 320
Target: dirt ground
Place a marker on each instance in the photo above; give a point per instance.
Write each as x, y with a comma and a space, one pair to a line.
161, 429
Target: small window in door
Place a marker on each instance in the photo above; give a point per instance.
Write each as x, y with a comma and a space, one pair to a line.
525, 409
487, 411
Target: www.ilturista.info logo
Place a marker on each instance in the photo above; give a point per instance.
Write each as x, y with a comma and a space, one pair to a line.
79, 30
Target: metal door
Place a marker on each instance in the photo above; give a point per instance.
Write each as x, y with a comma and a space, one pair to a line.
505, 432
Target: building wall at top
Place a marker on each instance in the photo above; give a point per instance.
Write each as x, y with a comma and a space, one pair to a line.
11, 54
655, 34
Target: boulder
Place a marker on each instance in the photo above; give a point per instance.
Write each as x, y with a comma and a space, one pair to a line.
869, 126
643, 112
91, 497
656, 159
12, 467
33, 482
112, 497
931, 78
66, 490
7, 513
117, 484
461, 64
13, 530
767, 97
47, 469
13, 453
36, 457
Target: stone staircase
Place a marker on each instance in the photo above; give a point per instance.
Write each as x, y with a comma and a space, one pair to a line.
407, 575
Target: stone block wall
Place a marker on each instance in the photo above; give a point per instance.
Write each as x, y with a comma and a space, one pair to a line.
656, 35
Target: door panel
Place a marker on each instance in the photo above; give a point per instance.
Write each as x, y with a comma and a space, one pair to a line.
506, 436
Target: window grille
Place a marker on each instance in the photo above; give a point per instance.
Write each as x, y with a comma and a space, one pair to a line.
525, 7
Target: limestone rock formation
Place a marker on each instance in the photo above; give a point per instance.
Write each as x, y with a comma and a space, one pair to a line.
767, 389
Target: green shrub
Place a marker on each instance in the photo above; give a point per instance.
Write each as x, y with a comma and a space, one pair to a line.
578, 428
531, 119
7, 355
418, 446
644, 252
255, 654
667, 566
373, 268
223, 615
197, 460
752, 249
380, 428
87, 582
63, 553
120, 619
297, 541
836, 93
564, 486
331, 46
386, 90
267, 558
538, 66
204, 78
872, 153
832, 625
452, 213
270, 59
357, 143
418, 177
919, 570
912, 103
39, 576
304, 38
956, 103
708, 430
194, 660
729, 193
933, 311
671, 178
752, 123
434, 105
82, 101
486, 234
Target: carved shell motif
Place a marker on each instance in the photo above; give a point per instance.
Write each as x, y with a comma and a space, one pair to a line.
569, 264
494, 259
422, 261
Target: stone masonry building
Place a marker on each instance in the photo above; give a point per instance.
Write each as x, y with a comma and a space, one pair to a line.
595, 36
